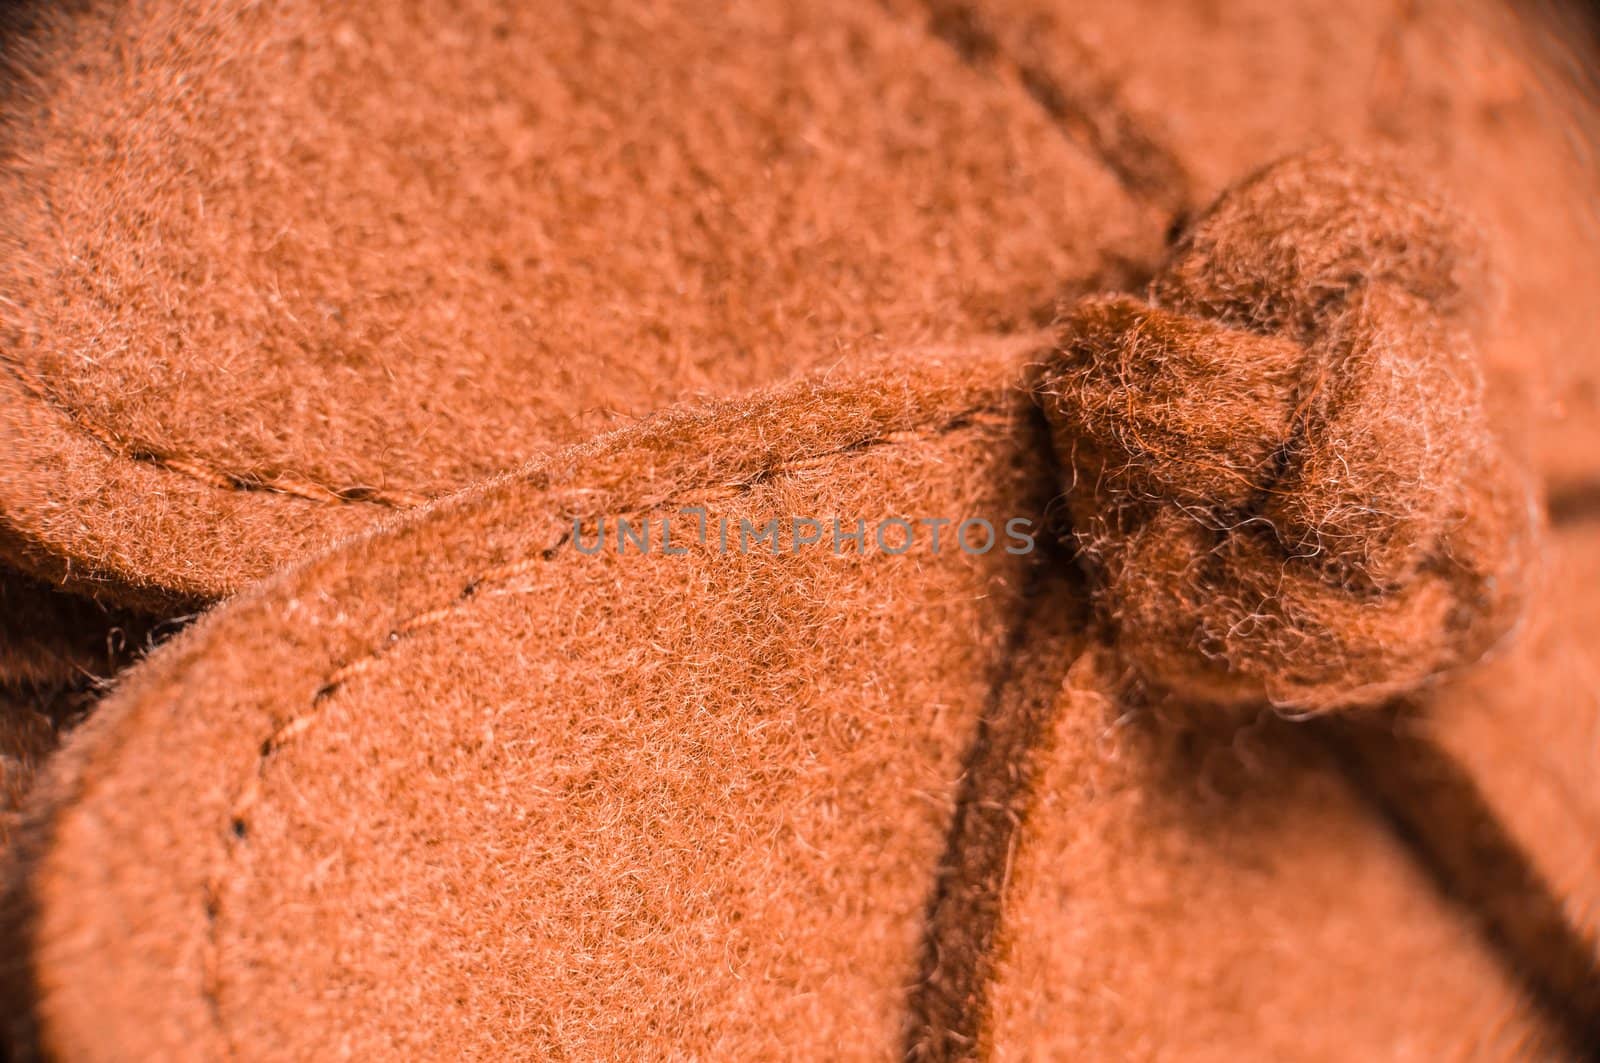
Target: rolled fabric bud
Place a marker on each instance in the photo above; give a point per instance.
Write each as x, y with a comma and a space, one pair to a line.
1282, 247
1167, 406
1279, 468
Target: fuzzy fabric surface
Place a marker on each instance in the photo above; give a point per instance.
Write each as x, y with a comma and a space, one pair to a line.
1281, 466
462, 788
646, 803
1205, 894
366, 331
271, 272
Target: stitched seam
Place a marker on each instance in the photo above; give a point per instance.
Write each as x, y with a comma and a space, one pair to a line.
1088, 111
472, 590
286, 733
209, 473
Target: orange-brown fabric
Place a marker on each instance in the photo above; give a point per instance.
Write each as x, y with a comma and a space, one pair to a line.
1527, 727
251, 286
1221, 895
514, 796
1280, 467
1489, 101
272, 277
460, 788
267, 272
1497, 106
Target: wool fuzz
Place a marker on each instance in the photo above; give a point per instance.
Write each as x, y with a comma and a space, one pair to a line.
278, 281
270, 274
1180, 890
1280, 467
1491, 101
1525, 727
456, 788
494, 794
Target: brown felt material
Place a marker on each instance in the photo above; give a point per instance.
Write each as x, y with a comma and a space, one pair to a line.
1494, 102
599, 805
365, 257
1457, 835
1526, 726
1280, 467
267, 273
459, 788
1224, 895
276, 281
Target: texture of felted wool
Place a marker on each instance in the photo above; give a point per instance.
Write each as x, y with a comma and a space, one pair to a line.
460, 787
361, 255
92, 426
1526, 727
266, 271
488, 791
1225, 896
1280, 468
1489, 100
1494, 105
